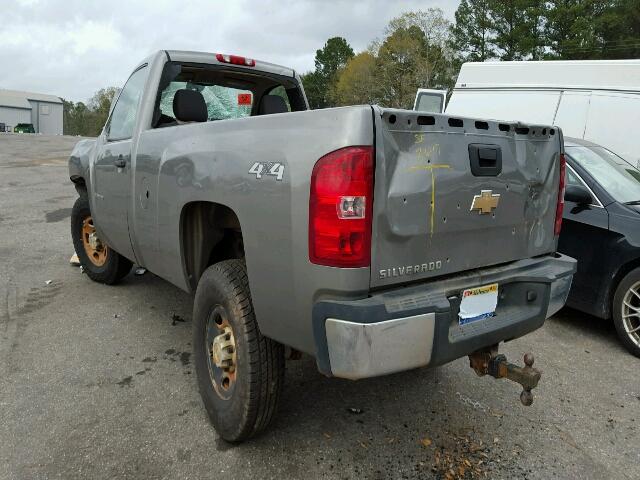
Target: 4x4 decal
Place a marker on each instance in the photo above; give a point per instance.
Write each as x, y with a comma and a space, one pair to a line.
267, 168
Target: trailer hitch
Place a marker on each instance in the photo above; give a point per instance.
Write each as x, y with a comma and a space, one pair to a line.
489, 362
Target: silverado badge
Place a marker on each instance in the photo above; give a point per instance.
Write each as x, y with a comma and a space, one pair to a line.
485, 202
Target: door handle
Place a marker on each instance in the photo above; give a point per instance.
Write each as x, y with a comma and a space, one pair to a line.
120, 162
485, 160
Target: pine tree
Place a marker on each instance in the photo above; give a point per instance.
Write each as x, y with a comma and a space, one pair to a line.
472, 35
517, 26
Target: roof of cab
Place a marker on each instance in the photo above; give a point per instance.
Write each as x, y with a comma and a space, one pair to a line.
207, 57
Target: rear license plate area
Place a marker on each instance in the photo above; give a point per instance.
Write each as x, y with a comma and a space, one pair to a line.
478, 303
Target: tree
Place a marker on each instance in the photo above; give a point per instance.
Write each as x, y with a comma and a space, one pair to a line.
88, 119
402, 67
414, 53
536, 29
357, 82
593, 29
100, 105
516, 27
435, 28
320, 83
615, 30
314, 88
627, 33
472, 34
570, 29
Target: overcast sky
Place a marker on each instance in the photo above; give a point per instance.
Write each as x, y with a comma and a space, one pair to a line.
71, 48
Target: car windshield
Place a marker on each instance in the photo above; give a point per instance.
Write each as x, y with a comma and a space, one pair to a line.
617, 176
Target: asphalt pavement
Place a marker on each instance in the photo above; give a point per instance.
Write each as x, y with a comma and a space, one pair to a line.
98, 382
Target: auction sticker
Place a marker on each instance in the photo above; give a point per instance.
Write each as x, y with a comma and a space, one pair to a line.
244, 99
478, 303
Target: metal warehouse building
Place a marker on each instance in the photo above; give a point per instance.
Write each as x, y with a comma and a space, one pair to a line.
43, 111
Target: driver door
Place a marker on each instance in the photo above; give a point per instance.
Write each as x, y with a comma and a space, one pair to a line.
112, 168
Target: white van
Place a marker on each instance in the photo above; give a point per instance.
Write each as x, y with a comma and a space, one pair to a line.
597, 100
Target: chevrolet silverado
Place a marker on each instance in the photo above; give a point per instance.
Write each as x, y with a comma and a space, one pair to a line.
376, 240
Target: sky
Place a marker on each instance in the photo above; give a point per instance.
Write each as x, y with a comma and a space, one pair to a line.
72, 48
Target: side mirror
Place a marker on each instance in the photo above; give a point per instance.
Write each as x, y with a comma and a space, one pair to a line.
578, 194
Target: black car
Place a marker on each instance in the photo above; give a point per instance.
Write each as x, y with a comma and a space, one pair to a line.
601, 229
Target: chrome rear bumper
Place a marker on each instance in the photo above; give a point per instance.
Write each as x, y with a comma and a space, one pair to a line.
358, 350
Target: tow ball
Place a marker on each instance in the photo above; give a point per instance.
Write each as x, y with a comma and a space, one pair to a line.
489, 362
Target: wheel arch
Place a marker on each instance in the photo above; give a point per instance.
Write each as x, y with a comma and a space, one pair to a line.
622, 272
79, 161
80, 183
209, 232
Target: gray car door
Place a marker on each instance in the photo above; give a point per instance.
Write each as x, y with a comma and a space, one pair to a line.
112, 168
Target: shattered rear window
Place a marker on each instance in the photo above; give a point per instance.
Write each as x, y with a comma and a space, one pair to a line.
223, 103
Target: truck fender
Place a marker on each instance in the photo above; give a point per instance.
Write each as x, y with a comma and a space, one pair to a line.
79, 163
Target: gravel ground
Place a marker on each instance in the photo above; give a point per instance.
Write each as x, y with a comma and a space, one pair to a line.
98, 381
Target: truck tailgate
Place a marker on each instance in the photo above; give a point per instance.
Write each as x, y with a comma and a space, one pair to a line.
453, 194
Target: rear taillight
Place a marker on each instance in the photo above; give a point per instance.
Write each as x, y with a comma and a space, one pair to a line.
235, 60
560, 205
340, 208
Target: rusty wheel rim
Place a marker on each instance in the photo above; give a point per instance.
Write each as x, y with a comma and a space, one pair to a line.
93, 247
221, 352
631, 313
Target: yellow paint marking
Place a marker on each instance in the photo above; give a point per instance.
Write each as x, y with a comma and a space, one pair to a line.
428, 152
431, 168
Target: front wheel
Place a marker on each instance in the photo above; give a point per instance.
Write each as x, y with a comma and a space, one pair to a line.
100, 262
626, 311
240, 372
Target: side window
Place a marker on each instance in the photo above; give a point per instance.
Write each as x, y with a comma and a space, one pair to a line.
429, 102
572, 178
280, 91
123, 117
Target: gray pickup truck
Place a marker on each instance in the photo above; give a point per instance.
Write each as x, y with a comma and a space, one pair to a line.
376, 240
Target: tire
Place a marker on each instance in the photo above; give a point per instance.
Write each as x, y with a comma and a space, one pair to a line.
103, 265
252, 364
626, 311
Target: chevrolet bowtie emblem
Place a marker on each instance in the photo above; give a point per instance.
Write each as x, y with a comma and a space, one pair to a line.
485, 202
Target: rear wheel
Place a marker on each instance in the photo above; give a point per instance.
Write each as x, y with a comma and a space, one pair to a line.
240, 372
100, 262
626, 311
